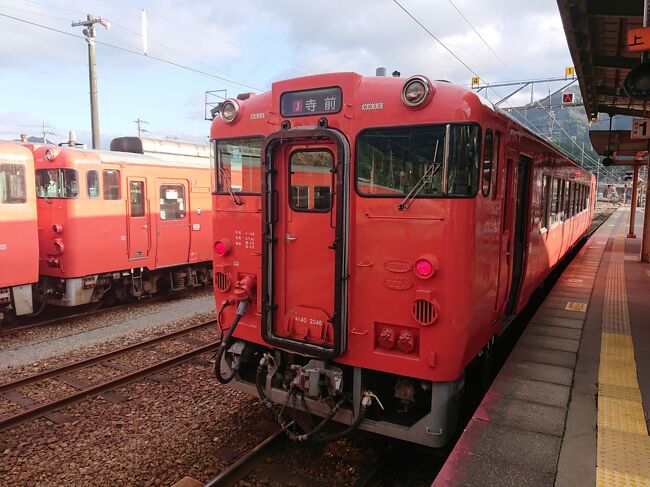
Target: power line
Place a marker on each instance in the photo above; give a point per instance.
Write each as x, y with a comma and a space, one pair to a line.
131, 51
539, 132
478, 34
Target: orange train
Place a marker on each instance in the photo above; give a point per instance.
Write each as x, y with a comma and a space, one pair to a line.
111, 226
373, 237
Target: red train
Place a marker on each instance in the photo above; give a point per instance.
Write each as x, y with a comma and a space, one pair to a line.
111, 226
373, 237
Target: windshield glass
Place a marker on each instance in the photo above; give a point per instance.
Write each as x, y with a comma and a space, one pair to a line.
393, 161
57, 183
238, 165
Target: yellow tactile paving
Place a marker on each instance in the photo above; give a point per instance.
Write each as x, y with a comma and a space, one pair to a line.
621, 415
623, 452
605, 476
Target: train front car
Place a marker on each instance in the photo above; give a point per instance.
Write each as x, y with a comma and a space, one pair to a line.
361, 255
115, 226
18, 237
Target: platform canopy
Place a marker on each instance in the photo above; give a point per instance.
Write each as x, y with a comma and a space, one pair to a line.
596, 31
624, 150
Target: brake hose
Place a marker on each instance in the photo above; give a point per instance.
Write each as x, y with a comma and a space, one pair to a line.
227, 341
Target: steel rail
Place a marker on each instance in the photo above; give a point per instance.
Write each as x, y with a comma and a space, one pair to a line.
100, 358
245, 464
38, 410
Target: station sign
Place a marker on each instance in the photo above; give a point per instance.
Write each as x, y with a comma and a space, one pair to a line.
638, 39
322, 101
640, 128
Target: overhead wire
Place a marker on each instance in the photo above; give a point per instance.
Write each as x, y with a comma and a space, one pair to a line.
471, 70
132, 51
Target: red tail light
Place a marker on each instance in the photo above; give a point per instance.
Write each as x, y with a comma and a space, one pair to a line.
222, 247
424, 268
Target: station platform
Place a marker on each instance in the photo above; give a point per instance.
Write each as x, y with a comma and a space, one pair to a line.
570, 406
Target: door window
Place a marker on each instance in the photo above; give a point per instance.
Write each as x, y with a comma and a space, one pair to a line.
310, 178
172, 202
136, 197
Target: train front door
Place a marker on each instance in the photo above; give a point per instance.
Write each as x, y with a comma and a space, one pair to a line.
303, 267
139, 226
173, 243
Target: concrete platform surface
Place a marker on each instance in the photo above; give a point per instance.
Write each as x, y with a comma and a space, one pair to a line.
567, 409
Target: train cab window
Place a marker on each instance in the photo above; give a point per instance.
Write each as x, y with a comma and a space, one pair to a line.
488, 155
92, 181
57, 183
136, 198
172, 202
238, 165
12, 184
308, 170
546, 199
391, 162
111, 181
464, 155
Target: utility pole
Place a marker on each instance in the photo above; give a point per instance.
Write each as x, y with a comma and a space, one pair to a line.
89, 32
141, 129
46, 132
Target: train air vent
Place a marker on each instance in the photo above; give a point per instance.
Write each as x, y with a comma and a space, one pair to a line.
424, 312
222, 281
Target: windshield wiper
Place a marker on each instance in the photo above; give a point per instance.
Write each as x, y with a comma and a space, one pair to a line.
226, 179
426, 178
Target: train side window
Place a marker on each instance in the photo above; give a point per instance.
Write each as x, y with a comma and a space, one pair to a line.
574, 210
12, 184
92, 181
488, 155
136, 197
172, 202
495, 166
582, 197
567, 200
111, 181
555, 200
546, 199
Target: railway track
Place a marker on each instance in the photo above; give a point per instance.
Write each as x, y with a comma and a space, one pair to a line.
29, 409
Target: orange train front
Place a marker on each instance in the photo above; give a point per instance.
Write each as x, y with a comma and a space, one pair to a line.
18, 237
372, 237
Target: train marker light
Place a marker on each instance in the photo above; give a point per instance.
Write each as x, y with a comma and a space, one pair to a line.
222, 247
229, 110
424, 268
416, 91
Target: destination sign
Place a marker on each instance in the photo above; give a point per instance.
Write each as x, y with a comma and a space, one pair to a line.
311, 102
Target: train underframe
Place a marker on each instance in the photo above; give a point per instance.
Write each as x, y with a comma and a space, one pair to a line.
126, 285
101, 289
310, 392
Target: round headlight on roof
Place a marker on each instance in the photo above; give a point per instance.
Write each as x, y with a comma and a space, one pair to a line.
229, 110
416, 91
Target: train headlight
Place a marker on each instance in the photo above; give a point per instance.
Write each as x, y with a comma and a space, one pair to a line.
49, 154
229, 110
416, 91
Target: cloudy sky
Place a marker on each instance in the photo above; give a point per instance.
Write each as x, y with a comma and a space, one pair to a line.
244, 45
